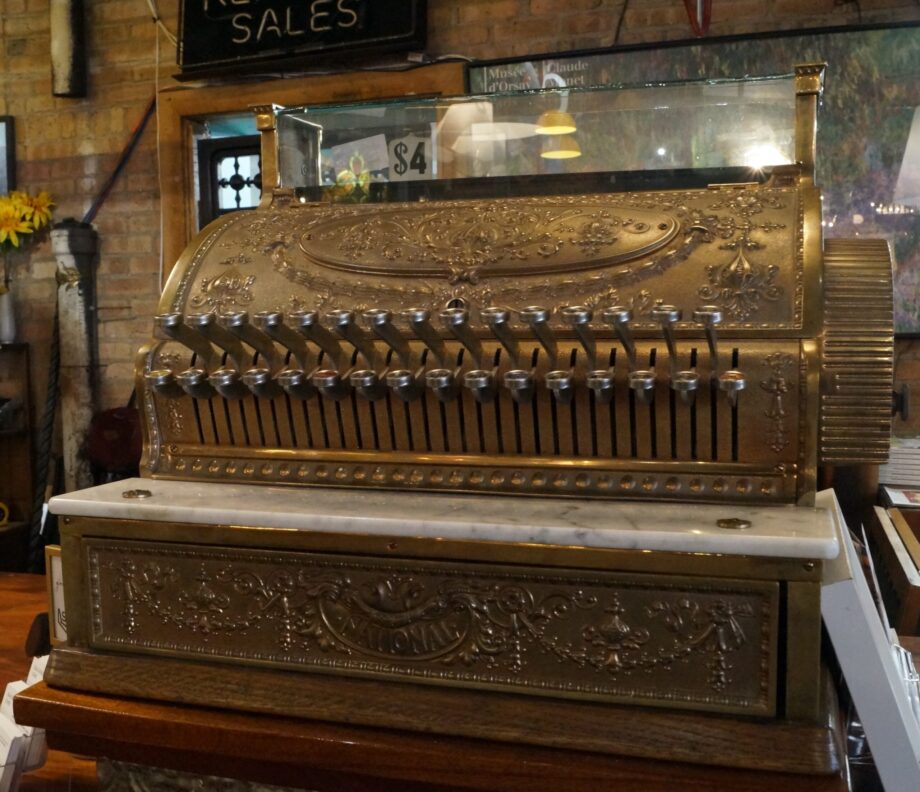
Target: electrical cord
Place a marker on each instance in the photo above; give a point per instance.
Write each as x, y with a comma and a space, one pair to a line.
122, 161
155, 13
43, 449
620, 18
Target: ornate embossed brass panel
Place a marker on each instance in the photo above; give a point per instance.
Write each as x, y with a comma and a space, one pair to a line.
685, 247
488, 239
649, 639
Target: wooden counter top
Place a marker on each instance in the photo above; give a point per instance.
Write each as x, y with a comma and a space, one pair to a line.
22, 597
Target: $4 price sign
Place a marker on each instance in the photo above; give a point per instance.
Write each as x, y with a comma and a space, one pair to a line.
410, 158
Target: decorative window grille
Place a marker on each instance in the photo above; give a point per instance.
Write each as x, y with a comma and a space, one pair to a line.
230, 176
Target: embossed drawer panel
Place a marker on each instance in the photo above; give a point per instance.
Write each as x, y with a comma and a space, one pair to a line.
645, 639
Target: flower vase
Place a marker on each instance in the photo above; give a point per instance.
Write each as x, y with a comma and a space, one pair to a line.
7, 318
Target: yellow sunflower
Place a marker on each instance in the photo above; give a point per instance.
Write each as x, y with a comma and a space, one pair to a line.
11, 225
39, 208
20, 200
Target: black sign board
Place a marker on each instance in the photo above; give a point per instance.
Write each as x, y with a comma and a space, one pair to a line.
219, 36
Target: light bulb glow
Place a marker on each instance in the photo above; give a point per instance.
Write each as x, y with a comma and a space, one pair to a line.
555, 122
562, 147
760, 155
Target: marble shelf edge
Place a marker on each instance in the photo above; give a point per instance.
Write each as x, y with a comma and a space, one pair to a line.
775, 531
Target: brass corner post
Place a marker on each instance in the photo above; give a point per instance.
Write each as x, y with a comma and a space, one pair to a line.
265, 123
809, 84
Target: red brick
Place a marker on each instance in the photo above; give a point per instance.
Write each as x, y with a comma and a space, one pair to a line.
143, 264
23, 24
520, 31
586, 24
488, 10
126, 284
606, 7
809, 7
442, 15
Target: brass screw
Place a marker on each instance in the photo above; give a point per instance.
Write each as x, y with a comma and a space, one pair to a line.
137, 493
809, 566
733, 523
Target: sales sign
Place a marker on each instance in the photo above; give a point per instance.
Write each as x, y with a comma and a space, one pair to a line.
218, 36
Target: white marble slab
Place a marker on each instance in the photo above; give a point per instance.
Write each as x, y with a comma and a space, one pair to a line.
776, 531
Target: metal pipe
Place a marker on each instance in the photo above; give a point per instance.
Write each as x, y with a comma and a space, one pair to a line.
206, 324
170, 326
520, 385
443, 383
308, 325
667, 315
642, 383
228, 382
380, 321
272, 324
368, 384
261, 383
456, 320
238, 323
710, 316
343, 322
405, 384
163, 382
296, 384
418, 319
329, 383
620, 316
578, 318
497, 321
686, 382
601, 382
194, 382
481, 384
731, 383
562, 385
537, 319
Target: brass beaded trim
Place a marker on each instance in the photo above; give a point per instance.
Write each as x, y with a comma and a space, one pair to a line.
543, 481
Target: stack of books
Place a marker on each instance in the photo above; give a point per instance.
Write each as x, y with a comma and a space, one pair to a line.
903, 467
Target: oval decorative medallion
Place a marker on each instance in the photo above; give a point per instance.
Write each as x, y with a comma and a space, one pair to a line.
486, 238
421, 633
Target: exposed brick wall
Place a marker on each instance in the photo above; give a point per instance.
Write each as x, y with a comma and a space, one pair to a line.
69, 146
503, 28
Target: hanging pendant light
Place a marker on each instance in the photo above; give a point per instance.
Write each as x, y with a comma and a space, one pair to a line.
555, 122
561, 147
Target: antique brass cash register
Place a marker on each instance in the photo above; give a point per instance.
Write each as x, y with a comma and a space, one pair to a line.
496, 456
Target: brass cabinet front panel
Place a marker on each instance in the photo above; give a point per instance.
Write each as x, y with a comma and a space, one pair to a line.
643, 639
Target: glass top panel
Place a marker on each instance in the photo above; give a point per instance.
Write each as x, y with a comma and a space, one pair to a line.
561, 140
